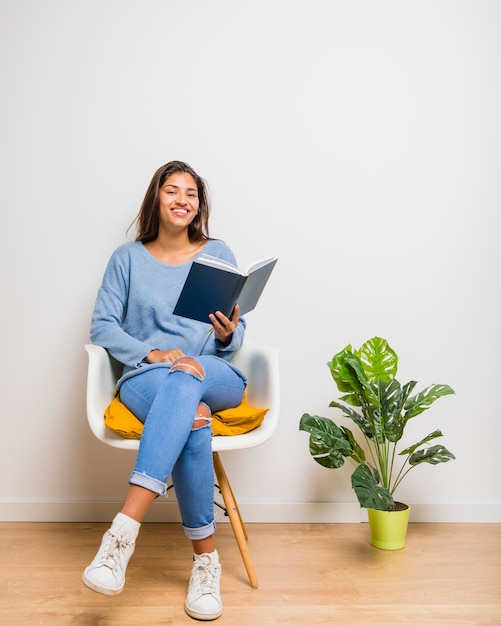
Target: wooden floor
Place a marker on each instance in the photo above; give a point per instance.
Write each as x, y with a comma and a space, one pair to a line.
309, 574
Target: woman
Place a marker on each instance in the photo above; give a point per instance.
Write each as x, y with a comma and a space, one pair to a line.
177, 372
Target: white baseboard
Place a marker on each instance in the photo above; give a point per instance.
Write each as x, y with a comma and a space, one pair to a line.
294, 513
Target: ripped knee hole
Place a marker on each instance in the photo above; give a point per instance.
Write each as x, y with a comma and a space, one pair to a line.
203, 417
189, 365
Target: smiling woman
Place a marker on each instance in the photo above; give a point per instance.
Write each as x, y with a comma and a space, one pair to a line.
175, 376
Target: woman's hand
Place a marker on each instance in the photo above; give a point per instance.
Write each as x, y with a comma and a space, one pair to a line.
223, 326
164, 356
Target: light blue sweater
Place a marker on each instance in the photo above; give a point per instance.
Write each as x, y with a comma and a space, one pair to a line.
133, 311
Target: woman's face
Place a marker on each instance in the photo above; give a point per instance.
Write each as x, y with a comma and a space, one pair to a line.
178, 200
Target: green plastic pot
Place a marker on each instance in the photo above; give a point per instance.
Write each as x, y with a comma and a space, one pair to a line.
389, 528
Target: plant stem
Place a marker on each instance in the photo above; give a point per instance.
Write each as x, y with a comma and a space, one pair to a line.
383, 463
401, 476
392, 465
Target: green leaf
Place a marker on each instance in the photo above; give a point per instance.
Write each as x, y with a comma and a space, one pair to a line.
343, 377
365, 482
360, 420
424, 399
434, 435
352, 398
379, 360
395, 422
349, 375
390, 394
358, 454
328, 444
434, 455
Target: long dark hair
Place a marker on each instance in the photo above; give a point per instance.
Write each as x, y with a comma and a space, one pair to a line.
147, 220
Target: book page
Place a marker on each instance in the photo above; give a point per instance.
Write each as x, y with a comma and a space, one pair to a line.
257, 264
212, 261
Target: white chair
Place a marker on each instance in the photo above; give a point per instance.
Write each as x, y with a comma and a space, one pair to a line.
258, 362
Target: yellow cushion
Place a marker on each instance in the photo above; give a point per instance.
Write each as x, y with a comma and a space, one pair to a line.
236, 421
241, 419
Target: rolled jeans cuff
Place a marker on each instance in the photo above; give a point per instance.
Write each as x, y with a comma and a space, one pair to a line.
152, 484
200, 533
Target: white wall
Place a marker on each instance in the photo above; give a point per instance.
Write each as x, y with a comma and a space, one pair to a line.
357, 140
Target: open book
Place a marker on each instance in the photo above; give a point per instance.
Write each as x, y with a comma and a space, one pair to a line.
216, 285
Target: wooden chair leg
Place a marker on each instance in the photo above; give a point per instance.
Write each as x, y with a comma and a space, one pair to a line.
235, 518
232, 498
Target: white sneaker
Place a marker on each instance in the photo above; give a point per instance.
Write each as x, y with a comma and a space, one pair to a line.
203, 600
106, 573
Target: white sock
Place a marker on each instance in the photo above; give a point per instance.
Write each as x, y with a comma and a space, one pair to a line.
123, 522
214, 556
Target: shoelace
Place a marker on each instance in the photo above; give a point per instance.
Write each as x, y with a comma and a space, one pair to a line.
115, 548
206, 576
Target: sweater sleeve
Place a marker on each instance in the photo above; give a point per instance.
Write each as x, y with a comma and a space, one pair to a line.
109, 312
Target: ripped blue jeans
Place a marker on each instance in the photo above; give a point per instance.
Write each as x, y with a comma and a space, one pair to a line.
166, 400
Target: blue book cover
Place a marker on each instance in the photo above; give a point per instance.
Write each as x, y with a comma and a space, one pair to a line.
215, 285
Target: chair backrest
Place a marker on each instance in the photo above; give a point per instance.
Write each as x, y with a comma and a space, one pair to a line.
258, 362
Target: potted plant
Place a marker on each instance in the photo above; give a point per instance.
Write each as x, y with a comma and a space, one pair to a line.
383, 408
